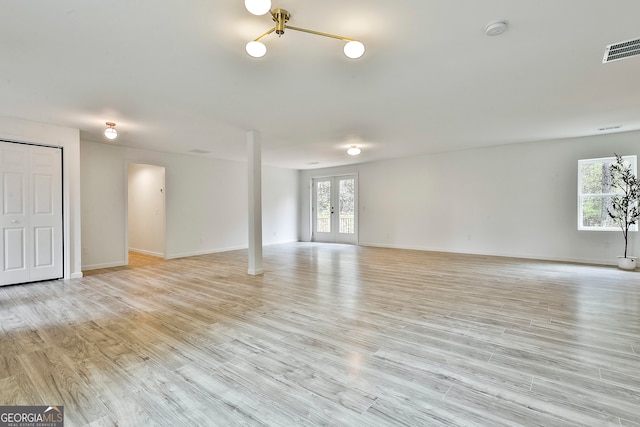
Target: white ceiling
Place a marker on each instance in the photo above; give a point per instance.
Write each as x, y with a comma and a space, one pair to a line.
174, 75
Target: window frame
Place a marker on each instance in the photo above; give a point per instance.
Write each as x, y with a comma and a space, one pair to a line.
632, 159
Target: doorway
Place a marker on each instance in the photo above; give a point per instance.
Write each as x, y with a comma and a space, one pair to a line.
31, 215
335, 213
146, 211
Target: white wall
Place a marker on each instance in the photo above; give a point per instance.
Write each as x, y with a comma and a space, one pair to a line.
206, 203
104, 188
279, 205
514, 200
146, 209
17, 130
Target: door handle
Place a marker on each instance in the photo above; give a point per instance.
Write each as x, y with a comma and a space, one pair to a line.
15, 221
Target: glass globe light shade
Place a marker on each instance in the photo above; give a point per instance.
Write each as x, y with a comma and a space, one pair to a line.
354, 49
258, 7
354, 150
256, 49
110, 132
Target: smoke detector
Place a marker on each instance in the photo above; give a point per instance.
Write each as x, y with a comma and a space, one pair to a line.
495, 28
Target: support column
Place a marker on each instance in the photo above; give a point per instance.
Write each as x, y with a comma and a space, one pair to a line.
255, 202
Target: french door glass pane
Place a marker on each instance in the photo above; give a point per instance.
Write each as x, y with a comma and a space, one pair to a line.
346, 206
323, 208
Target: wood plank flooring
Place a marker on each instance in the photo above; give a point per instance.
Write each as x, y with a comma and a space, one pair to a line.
329, 335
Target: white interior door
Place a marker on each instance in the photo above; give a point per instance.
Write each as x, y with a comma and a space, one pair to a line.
31, 220
335, 213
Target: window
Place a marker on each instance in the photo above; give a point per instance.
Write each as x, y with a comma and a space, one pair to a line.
595, 192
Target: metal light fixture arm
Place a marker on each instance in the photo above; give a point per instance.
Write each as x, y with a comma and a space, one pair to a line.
281, 17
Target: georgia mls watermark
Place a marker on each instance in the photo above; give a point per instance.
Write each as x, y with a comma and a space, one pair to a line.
31, 416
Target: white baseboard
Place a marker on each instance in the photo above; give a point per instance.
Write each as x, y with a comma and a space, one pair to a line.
499, 254
178, 255
145, 252
218, 250
280, 242
205, 252
105, 265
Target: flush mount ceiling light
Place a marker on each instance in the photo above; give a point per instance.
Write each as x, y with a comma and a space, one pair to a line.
354, 150
110, 132
352, 49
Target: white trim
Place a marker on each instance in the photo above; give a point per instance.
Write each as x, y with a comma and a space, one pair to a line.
104, 265
205, 252
632, 160
280, 242
312, 199
144, 252
29, 132
596, 261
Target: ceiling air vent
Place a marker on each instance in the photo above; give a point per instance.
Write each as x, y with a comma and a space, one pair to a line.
621, 50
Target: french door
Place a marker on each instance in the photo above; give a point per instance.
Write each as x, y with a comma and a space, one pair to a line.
31, 213
335, 209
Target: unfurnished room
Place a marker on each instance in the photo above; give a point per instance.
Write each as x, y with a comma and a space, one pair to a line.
342, 213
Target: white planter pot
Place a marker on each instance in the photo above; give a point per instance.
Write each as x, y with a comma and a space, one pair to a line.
628, 263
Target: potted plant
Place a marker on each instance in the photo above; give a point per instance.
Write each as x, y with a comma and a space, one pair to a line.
623, 209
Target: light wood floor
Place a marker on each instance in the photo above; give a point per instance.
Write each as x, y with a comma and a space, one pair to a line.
329, 335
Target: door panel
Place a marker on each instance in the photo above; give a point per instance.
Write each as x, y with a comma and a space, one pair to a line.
45, 215
322, 208
14, 164
346, 205
44, 250
14, 193
335, 209
42, 195
14, 250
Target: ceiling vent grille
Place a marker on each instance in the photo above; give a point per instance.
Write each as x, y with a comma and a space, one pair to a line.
622, 50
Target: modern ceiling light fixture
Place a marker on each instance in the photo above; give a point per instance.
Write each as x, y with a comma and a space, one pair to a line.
110, 132
352, 49
354, 150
